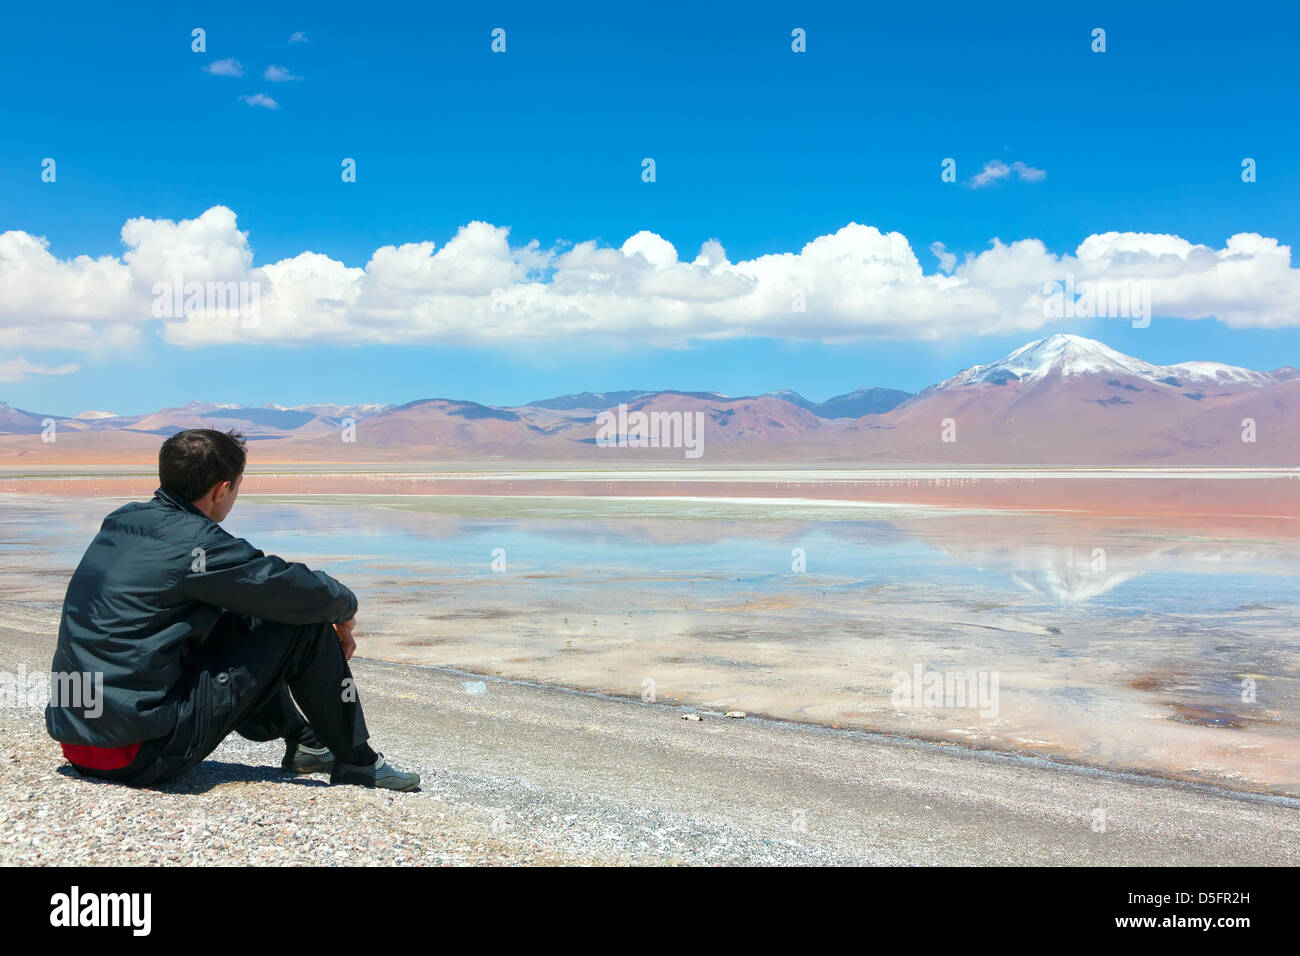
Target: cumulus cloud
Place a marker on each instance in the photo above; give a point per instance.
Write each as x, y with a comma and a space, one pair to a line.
262, 100
278, 74
480, 289
995, 170
19, 370
38, 288
227, 67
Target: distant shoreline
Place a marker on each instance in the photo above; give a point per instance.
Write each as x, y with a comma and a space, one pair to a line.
1190, 499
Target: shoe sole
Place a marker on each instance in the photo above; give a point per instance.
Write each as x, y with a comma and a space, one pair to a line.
372, 785
301, 772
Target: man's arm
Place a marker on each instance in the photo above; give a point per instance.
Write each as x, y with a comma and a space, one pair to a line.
346, 640
238, 577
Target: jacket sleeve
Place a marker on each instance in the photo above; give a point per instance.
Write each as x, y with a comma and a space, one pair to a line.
232, 574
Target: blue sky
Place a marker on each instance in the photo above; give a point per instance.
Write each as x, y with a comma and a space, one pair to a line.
755, 146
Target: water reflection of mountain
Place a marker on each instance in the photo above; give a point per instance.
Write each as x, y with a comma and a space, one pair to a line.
1065, 576
1075, 560
1059, 559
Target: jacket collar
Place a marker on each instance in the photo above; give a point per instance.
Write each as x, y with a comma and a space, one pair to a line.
177, 501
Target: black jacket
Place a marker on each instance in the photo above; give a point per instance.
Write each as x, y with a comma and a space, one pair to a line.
149, 590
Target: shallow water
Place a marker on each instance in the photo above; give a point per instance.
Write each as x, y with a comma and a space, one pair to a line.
1107, 642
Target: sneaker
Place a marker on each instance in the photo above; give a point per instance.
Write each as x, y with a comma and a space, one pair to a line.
304, 759
381, 774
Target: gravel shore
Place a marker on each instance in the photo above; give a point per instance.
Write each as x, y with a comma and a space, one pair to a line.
521, 774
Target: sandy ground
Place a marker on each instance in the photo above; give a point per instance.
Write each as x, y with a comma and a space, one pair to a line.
519, 773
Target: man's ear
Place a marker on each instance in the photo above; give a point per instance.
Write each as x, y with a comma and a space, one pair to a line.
220, 490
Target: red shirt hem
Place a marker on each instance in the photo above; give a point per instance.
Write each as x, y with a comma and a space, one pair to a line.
100, 758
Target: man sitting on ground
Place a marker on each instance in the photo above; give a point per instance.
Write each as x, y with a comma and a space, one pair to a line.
195, 633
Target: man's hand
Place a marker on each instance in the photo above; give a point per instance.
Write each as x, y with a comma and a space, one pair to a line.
344, 631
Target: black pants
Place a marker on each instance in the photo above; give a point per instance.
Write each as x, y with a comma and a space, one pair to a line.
240, 680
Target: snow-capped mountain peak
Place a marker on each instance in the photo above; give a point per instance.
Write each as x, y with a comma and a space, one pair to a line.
1062, 354
1216, 373
1066, 356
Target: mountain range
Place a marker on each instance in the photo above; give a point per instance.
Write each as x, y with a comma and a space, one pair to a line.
1062, 400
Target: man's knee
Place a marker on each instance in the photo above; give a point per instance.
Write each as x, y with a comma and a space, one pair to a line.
320, 638
304, 644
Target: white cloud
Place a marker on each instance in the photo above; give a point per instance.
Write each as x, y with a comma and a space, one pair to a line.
262, 100
227, 67
995, 170
278, 74
19, 370
947, 261
298, 37
479, 289
37, 288
210, 247
1028, 173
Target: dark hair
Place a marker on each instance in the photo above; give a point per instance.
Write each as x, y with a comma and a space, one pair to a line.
192, 461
